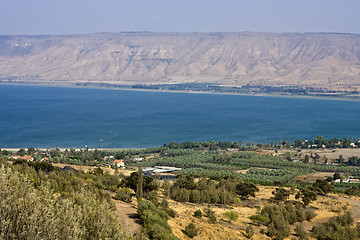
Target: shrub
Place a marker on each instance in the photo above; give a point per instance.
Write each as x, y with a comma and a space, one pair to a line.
190, 230
123, 194
154, 221
281, 194
231, 215
198, 213
302, 234
339, 227
171, 212
278, 227
210, 214
260, 219
246, 189
45, 215
249, 232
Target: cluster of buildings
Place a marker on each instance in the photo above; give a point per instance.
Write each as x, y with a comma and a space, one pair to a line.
27, 158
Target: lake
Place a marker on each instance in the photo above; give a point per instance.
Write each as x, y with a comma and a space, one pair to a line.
102, 118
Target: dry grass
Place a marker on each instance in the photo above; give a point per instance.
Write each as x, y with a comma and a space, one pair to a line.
126, 172
324, 207
334, 153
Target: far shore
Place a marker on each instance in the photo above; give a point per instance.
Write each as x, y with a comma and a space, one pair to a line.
77, 149
285, 95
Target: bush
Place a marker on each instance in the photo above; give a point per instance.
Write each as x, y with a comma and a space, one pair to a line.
190, 230
302, 234
198, 213
210, 214
339, 227
260, 219
281, 194
249, 232
246, 189
154, 221
171, 212
231, 215
123, 194
279, 227
84, 215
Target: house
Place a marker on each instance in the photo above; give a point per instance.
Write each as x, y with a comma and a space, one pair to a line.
45, 159
15, 157
27, 158
119, 163
108, 158
139, 159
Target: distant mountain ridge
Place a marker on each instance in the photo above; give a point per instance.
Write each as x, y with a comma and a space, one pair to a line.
324, 60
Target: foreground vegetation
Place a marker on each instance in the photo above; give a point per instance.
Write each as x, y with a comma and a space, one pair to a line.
64, 203
56, 205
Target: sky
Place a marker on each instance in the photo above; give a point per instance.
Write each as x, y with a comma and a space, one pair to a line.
34, 17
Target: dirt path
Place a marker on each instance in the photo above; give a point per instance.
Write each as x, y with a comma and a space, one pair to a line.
127, 214
355, 210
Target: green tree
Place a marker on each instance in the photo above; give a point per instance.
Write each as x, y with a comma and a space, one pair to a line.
139, 186
279, 227
300, 231
321, 187
246, 189
337, 176
307, 195
281, 194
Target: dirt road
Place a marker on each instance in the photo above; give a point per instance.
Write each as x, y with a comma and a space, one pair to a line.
127, 214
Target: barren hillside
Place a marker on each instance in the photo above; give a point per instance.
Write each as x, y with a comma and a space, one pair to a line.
324, 60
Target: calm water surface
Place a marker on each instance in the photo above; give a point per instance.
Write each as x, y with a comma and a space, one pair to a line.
74, 117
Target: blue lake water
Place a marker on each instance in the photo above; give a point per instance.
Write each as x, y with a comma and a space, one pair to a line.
74, 117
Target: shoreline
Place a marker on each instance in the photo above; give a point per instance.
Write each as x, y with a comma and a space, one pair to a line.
77, 149
318, 97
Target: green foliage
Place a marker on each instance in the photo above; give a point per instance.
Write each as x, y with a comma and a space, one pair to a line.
307, 195
321, 187
203, 191
210, 214
260, 219
231, 215
139, 184
154, 221
190, 230
246, 189
124, 194
198, 213
165, 206
281, 194
339, 227
31, 210
281, 216
353, 191
278, 227
171, 212
249, 232
301, 233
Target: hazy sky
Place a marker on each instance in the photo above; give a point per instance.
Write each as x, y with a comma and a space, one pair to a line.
88, 16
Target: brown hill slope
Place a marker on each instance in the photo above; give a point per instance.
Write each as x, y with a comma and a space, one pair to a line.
325, 60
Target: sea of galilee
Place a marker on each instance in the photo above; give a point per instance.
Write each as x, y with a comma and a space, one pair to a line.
46, 117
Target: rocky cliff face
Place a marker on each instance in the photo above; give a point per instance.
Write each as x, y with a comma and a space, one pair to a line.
234, 59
